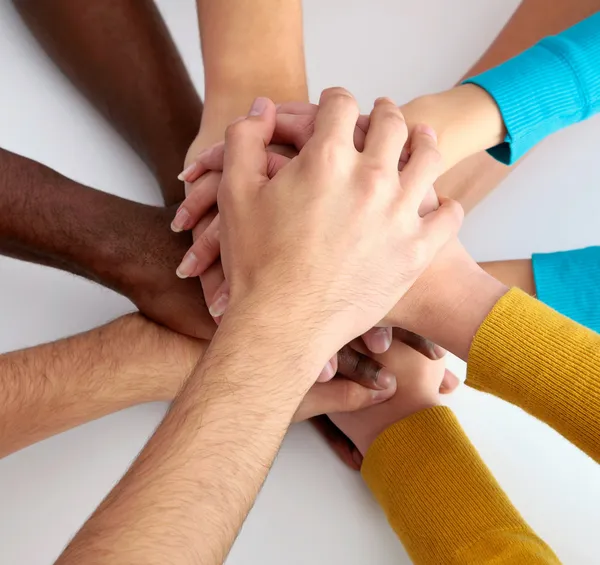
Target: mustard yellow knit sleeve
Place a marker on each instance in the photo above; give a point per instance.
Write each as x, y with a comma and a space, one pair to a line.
441, 499
535, 358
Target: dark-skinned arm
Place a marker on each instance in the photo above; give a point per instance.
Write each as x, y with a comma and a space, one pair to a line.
120, 55
49, 219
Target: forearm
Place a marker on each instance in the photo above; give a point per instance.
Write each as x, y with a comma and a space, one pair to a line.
472, 179
49, 219
250, 49
121, 56
430, 480
186, 496
50, 388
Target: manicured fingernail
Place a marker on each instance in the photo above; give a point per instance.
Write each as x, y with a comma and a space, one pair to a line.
357, 458
328, 372
185, 174
187, 265
385, 379
218, 307
258, 106
380, 340
423, 128
180, 220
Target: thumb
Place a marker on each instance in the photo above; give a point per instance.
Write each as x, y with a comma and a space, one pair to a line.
245, 157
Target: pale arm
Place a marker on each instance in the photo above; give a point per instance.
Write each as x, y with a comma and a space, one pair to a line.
185, 498
50, 388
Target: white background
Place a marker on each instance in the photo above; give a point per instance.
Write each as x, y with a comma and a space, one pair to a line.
312, 509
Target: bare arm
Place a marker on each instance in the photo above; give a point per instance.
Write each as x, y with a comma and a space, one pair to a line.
475, 177
120, 55
50, 388
250, 49
184, 499
49, 219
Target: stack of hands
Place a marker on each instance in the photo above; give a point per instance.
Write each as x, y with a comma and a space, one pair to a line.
379, 179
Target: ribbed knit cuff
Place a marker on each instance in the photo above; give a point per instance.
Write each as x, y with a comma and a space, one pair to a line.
440, 497
537, 94
569, 281
550, 86
531, 356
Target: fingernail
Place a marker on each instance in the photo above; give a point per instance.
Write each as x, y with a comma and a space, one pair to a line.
357, 457
385, 379
328, 372
187, 265
380, 341
382, 395
438, 351
180, 220
258, 106
423, 128
184, 175
278, 107
218, 307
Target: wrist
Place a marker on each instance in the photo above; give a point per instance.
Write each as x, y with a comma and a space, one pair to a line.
278, 338
450, 301
465, 118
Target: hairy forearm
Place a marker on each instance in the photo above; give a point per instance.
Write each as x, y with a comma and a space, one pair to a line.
50, 388
477, 175
250, 48
121, 56
185, 498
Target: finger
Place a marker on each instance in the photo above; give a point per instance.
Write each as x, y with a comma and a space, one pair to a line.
203, 252
339, 395
363, 370
220, 299
212, 280
338, 441
442, 224
210, 159
378, 340
329, 370
201, 198
424, 165
449, 382
336, 118
387, 134
245, 159
297, 108
424, 346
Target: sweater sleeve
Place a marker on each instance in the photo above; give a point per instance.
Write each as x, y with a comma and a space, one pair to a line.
441, 499
569, 282
530, 355
552, 85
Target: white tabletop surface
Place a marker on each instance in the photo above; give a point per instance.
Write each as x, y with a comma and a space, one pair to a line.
312, 509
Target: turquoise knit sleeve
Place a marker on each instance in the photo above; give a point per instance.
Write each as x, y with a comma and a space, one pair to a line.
569, 282
553, 85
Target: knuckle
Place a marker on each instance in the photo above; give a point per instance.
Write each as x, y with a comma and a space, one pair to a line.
355, 397
341, 97
237, 129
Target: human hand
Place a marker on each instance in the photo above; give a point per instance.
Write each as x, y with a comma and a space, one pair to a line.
360, 216
420, 384
145, 275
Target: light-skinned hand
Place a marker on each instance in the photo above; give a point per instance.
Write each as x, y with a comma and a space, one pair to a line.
357, 215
